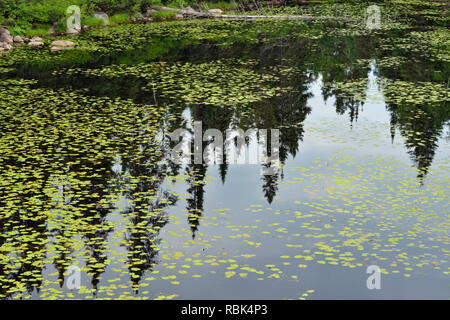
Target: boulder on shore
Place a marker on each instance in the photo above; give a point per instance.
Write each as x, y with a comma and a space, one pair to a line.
55, 49
5, 36
188, 10
17, 39
5, 46
166, 8
63, 44
35, 44
73, 31
4, 30
215, 11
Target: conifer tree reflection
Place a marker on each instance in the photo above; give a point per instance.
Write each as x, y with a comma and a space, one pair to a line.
95, 209
421, 128
196, 188
286, 113
196, 173
147, 164
24, 204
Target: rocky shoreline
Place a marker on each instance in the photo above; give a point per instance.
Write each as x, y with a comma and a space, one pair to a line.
9, 42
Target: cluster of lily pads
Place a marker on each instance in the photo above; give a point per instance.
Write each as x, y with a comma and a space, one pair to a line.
396, 91
222, 82
86, 179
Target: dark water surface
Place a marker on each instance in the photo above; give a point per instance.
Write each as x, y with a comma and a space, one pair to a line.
86, 177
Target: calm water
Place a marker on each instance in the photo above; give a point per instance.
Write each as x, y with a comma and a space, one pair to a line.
86, 178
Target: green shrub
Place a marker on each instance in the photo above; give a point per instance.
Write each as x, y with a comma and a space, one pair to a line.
217, 5
41, 30
92, 22
119, 18
112, 6
38, 31
32, 13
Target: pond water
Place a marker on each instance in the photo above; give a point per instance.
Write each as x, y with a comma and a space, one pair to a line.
87, 181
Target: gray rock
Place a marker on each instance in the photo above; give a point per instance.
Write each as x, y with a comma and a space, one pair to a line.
166, 8
36, 44
36, 39
215, 11
55, 49
4, 31
18, 39
4, 37
188, 10
63, 43
7, 46
73, 31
